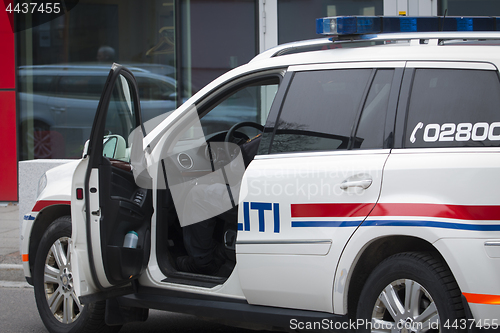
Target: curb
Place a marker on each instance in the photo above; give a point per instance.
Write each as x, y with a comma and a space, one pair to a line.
11, 273
14, 284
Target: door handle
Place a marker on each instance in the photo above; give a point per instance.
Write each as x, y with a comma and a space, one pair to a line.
363, 183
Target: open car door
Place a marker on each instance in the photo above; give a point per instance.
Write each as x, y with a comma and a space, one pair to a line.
106, 202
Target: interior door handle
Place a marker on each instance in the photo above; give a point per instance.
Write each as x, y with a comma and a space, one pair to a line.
363, 183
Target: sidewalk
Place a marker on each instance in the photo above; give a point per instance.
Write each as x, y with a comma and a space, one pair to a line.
10, 259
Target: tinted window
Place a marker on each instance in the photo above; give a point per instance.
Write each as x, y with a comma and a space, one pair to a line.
120, 116
454, 108
370, 133
319, 110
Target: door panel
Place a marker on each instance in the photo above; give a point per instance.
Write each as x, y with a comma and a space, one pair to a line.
124, 207
113, 203
315, 218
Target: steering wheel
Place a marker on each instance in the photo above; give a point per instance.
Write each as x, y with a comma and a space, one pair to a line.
229, 150
230, 133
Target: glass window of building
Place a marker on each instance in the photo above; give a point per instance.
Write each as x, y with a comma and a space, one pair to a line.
297, 18
173, 47
469, 7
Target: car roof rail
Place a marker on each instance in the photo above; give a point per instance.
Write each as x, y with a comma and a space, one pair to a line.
291, 47
307, 45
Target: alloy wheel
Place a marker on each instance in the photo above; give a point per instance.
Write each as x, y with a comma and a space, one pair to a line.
58, 283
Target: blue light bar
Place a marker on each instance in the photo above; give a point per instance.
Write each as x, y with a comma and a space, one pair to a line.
470, 24
345, 25
357, 25
410, 24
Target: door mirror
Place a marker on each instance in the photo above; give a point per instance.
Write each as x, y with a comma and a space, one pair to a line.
114, 146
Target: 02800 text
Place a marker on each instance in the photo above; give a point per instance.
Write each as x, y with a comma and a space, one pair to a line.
480, 131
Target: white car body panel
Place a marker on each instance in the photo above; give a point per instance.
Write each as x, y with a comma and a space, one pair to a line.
83, 280
277, 266
433, 172
480, 275
57, 192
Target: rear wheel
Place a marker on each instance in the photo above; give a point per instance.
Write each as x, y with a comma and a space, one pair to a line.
57, 303
410, 293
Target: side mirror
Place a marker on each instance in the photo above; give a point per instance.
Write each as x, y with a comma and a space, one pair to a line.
114, 146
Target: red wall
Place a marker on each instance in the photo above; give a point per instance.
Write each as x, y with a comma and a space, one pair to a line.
8, 133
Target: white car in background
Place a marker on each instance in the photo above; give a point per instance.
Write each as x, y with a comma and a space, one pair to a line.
60, 102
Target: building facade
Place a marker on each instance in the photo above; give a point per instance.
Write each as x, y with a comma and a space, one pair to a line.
8, 152
52, 72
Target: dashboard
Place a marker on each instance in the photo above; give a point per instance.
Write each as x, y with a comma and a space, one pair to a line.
199, 157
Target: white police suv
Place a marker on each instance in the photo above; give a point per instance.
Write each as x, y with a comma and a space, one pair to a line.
371, 203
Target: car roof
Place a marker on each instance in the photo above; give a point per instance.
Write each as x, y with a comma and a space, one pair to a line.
431, 46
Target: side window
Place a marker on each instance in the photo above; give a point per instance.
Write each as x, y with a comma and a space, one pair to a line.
250, 103
453, 108
370, 132
120, 121
320, 110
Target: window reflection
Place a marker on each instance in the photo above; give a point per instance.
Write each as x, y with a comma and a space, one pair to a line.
173, 48
63, 65
297, 18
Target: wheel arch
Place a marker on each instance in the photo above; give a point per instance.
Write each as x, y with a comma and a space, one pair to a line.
42, 221
372, 255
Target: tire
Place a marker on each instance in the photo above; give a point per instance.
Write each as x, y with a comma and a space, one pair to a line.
53, 286
436, 298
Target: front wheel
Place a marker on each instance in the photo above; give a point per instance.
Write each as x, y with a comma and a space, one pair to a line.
410, 293
57, 303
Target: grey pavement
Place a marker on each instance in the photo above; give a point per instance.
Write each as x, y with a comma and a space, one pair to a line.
10, 259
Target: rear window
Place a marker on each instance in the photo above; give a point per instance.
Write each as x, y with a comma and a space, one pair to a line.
319, 110
322, 109
454, 108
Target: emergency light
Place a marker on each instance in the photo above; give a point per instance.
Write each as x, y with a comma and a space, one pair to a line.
357, 25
